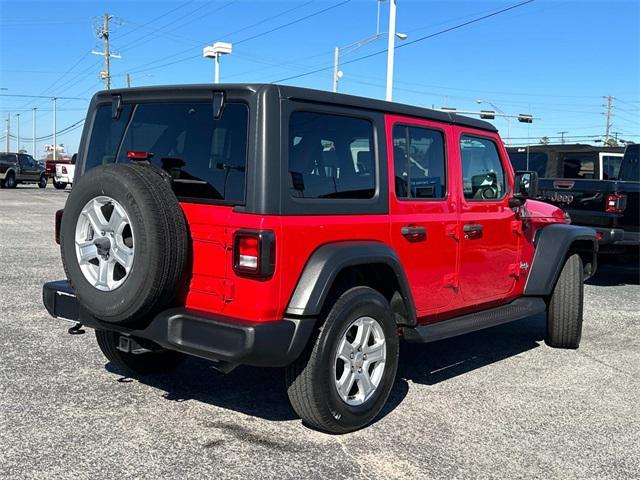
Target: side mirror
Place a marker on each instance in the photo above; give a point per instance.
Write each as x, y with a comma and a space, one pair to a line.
525, 185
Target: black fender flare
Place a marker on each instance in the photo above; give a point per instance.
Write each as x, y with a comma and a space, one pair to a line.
327, 261
552, 244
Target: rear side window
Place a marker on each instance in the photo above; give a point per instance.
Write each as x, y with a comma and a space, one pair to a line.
611, 167
580, 165
206, 157
630, 168
330, 156
483, 176
419, 162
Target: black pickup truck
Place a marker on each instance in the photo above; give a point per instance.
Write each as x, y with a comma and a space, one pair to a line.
597, 186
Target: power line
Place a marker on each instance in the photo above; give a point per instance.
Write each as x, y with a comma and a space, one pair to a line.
293, 22
49, 97
191, 57
421, 39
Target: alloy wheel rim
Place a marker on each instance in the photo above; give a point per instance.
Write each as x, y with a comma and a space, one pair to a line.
104, 243
359, 361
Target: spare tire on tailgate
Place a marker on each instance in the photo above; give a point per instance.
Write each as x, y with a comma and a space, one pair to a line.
124, 242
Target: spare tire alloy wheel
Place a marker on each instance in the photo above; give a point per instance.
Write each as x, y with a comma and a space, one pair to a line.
104, 243
359, 361
124, 243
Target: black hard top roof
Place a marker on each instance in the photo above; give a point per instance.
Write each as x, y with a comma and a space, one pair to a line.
567, 147
319, 96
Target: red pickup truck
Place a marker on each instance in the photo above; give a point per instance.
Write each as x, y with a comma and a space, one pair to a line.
285, 227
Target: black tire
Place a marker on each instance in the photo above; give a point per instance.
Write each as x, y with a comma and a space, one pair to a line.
42, 183
310, 379
160, 361
161, 241
59, 185
10, 181
564, 317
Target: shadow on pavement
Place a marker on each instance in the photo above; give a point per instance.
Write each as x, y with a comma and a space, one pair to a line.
437, 362
616, 270
261, 392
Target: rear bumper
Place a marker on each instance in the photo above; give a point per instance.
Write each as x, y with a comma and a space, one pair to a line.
65, 178
225, 340
617, 236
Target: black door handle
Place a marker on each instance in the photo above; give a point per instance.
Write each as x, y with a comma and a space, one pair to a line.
414, 233
472, 230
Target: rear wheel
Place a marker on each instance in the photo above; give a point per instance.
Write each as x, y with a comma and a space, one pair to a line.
10, 181
155, 361
59, 185
343, 379
42, 183
564, 317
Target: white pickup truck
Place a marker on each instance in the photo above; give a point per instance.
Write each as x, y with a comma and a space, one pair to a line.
64, 174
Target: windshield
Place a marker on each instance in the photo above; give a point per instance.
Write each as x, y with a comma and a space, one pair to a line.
205, 156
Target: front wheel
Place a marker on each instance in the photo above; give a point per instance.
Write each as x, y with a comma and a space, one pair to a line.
156, 361
564, 318
343, 379
42, 183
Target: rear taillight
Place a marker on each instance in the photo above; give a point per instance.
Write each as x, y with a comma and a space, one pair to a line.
615, 203
254, 253
139, 155
64, 169
58, 223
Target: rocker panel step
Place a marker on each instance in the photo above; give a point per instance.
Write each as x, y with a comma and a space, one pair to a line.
520, 308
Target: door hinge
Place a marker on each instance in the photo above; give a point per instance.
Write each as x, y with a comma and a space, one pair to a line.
453, 231
228, 291
516, 227
514, 270
451, 280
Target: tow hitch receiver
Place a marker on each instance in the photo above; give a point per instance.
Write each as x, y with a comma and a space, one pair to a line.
129, 345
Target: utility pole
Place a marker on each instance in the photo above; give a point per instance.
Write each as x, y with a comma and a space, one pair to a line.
107, 54
391, 49
55, 156
608, 114
562, 136
18, 134
103, 33
33, 148
128, 81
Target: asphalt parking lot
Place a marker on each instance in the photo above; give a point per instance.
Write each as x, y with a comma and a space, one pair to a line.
494, 404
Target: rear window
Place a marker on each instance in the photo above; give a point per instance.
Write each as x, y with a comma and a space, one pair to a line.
330, 156
206, 157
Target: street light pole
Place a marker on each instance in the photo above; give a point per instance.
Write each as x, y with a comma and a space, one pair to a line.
8, 132
216, 75
55, 156
391, 48
215, 51
34, 133
18, 134
336, 62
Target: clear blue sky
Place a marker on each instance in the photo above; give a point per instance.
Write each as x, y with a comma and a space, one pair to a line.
554, 59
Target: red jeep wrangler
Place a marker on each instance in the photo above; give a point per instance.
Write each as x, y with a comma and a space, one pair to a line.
285, 227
